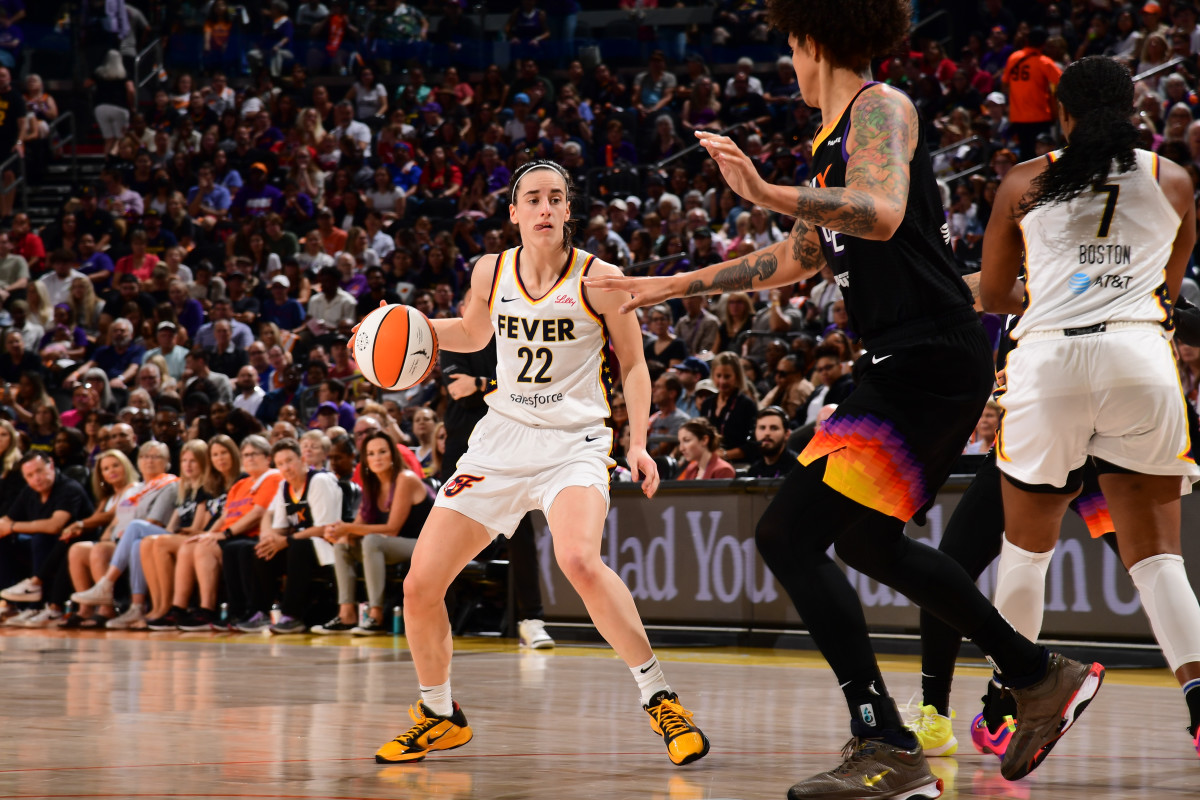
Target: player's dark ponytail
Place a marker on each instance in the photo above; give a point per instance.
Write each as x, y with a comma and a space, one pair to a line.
530, 166
1098, 93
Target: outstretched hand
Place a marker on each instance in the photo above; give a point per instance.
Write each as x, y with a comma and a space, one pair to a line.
647, 291
736, 167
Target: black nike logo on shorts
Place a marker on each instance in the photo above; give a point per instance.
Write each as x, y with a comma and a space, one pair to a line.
590, 438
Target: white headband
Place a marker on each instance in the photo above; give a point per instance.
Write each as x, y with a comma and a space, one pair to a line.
534, 168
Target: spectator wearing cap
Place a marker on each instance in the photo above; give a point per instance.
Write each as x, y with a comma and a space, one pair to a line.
619, 221
1152, 20
90, 218
173, 354
62, 273
158, 241
347, 126
256, 198
1031, 79
996, 57
691, 371
208, 198
279, 308
515, 128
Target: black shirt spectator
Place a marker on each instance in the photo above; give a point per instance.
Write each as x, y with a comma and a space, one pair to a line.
12, 113
735, 423
16, 360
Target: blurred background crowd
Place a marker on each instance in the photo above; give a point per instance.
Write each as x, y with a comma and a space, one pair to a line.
199, 200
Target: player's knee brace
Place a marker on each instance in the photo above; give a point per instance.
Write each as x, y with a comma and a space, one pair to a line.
1171, 606
1021, 588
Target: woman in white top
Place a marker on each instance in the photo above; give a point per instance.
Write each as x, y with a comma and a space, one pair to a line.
369, 96
1105, 232
542, 444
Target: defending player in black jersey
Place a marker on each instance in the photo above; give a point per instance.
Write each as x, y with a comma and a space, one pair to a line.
873, 215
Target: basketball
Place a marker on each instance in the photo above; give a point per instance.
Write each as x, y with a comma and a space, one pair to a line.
395, 347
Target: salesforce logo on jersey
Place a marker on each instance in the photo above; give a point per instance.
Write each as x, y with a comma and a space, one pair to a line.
536, 400
1080, 282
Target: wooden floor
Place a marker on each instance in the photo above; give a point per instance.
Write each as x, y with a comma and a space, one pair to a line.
204, 716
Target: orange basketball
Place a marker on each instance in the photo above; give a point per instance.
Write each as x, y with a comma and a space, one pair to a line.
395, 347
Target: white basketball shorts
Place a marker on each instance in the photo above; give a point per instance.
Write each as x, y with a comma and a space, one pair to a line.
510, 469
1114, 395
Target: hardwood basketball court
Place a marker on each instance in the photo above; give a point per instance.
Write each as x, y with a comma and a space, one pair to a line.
113, 715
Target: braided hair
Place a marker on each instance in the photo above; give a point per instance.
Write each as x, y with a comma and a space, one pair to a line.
530, 166
1098, 93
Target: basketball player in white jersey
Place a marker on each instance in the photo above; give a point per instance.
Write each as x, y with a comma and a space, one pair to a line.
1105, 231
542, 445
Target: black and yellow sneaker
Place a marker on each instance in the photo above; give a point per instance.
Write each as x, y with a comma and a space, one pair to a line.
429, 732
685, 742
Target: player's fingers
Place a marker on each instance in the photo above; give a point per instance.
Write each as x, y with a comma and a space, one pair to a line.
650, 485
633, 471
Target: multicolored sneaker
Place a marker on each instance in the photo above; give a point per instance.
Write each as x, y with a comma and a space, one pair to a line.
429, 732
872, 769
986, 741
934, 732
1047, 710
685, 742
1195, 732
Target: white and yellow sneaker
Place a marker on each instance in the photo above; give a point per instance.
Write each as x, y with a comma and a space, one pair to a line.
934, 732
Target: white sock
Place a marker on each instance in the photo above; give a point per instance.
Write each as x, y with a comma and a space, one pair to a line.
1021, 588
1171, 605
437, 699
650, 679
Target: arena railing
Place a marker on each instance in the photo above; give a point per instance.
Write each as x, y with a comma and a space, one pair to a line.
140, 79
954, 146
689, 150
68, 119
20, 181
1150, 73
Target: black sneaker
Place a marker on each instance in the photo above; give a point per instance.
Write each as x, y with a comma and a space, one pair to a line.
334, 626
370, 628
202, 619
168, 621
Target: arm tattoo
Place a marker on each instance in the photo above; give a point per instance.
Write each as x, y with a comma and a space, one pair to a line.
883, 127
806, 248
740, 275
972, 282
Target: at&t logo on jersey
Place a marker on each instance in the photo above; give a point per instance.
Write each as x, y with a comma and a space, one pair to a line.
1080, 282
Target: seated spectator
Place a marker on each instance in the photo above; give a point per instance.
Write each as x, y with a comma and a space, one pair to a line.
791, 389
52, 583
288, 394
775, 460
25, 398
666, 421
281, 309
197, 364
731, 410
305, 502
395, 504
201, 557
62, 273
698, 445
666, 348
984, 435
16, 360
23, 324
174, 355
205, 337
225, 357
249, 394
256, 198
39, 514
834, 382
152, 500
119, 361
314, 449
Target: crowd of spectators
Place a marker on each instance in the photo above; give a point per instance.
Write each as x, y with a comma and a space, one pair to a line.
174, 342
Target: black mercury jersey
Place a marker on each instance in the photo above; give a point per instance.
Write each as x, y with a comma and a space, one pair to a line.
908, 286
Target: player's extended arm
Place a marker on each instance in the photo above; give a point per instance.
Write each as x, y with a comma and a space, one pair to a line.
880, 141
473, 330
796, 258
626, 338
1003, 245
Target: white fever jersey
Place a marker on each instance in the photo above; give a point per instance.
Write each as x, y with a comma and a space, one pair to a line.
1101, 257
551, 364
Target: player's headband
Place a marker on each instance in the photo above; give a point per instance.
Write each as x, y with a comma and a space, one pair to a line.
530, 167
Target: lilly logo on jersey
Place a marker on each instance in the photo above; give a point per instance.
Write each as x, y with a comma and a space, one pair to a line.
564, 300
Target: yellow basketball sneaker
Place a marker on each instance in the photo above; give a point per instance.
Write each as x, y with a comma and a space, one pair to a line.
685, 742
429, 732
934, 732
